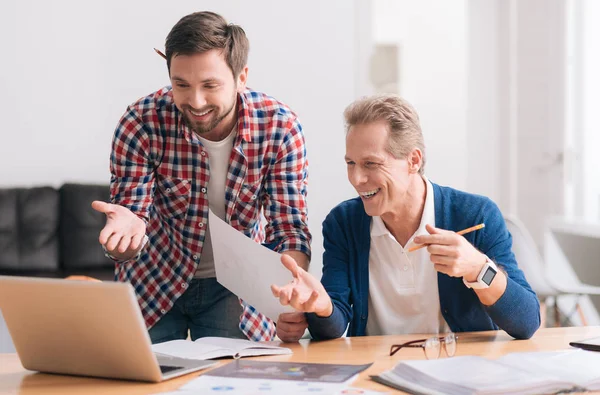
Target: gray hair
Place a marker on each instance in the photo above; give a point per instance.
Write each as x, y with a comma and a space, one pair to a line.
401, 118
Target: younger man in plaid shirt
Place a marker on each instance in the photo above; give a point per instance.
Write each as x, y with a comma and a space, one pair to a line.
204, 142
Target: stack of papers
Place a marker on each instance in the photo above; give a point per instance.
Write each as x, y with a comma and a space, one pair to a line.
517, 373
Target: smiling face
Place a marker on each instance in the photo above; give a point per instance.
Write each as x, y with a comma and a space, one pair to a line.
382, 181
205, 91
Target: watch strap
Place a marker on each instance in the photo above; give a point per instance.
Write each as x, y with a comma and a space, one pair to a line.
479, 283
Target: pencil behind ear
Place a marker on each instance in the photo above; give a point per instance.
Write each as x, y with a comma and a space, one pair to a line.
160, 53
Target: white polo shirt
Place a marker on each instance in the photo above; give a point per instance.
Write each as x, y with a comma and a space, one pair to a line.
403, 286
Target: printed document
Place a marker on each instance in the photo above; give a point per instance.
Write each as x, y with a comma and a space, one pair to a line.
247, 269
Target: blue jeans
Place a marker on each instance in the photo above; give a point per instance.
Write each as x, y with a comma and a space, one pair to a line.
205, 309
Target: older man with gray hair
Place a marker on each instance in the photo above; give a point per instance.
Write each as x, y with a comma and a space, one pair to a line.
376, 278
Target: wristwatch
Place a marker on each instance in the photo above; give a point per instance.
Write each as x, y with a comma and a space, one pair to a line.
485, 277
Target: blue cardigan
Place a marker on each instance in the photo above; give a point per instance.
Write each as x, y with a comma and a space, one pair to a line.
347, 241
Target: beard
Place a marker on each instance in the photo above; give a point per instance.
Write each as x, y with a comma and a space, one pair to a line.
201, 128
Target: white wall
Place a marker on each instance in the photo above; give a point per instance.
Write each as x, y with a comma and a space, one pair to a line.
590, 184
431, 35
70, 68
517, 105
484, 143
541, 75
487, 78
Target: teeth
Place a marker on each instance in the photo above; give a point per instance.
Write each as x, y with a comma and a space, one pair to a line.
368, 194
200, 114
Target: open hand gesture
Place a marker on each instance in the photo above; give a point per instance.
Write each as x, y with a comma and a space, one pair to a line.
304, 293
124, 231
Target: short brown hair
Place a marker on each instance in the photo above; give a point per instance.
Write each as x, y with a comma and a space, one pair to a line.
203, 31
401, 118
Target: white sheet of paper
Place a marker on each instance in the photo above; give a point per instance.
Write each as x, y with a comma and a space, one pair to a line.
247, 268
237, 386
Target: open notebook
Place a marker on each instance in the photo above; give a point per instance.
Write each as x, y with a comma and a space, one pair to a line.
216, 347
516, 373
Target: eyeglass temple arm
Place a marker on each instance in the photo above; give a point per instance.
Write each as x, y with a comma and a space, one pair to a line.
412, 344
396, 347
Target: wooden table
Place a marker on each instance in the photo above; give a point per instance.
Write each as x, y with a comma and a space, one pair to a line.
16, 380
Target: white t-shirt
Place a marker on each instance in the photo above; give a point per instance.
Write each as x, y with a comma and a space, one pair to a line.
218, 161
403, 286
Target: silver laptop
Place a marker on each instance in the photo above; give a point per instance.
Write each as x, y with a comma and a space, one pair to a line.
84, 328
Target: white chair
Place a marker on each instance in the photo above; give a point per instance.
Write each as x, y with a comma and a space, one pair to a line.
531, 262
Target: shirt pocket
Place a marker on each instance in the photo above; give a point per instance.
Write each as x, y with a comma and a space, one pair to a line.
172, 197
247, 206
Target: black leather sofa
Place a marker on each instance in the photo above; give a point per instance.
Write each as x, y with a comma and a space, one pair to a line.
49, 232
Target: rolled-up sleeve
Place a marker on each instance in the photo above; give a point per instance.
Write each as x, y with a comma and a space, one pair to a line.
131, 165
285, 205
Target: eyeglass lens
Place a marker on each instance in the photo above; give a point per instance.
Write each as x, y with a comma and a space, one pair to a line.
450, 344
432, 348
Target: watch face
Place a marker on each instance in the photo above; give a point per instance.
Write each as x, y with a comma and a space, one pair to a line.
489, 275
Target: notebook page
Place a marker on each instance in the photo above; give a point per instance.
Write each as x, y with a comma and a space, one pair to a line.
191, 350
243, 347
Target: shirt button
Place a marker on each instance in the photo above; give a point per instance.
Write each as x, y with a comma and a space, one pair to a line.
203, 190
253, 197
184, 285
168, 190
195, 257
201, 225
405, 267
163, 311
203, 153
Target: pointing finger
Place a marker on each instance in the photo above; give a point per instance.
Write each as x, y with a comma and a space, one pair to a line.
290, 264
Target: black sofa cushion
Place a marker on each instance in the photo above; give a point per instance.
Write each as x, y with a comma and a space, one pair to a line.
80, 227
29, 221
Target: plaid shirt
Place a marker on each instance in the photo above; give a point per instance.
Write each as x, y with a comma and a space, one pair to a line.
160, 172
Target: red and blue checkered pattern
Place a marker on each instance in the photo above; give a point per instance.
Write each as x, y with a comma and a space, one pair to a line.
160, 172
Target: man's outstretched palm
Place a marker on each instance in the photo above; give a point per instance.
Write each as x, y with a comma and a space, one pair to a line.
305, 293
124, 231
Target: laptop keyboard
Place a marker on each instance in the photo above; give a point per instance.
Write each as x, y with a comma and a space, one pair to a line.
166, 369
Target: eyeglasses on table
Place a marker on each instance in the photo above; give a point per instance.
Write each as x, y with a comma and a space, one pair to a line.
432, 347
